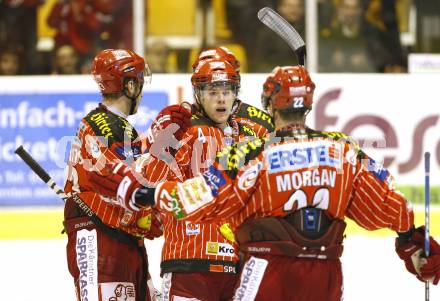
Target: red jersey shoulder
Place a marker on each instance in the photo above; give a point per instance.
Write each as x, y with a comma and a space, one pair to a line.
201, 128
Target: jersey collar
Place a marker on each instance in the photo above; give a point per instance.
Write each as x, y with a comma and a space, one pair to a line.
115, 111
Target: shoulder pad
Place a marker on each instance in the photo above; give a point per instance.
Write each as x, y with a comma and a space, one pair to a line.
336, 136
198, 120
110, 126
256, 115
233, 157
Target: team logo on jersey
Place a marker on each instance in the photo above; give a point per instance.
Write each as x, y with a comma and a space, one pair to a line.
191, 228
92, 146
214, 179
249, 177
219, 249
118, 291
311, 154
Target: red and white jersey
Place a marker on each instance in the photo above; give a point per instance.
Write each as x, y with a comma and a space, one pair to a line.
104, 136
284, 173
203, 240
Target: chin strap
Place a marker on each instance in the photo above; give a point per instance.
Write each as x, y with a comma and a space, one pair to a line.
133, 99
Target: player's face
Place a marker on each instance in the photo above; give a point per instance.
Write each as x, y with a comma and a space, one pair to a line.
217, 102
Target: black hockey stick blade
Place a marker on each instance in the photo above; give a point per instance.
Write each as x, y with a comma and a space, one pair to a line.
285, 30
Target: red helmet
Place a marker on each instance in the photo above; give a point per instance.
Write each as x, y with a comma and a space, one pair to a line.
217, 53
112, 66
288, 88
214, 71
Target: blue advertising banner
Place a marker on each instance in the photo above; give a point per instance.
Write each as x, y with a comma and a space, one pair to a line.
44, 123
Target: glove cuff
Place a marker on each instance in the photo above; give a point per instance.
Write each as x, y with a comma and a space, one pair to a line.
404, 237
144, 197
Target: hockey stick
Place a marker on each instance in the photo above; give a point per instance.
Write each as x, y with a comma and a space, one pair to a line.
46, 178
286, 31
427, 206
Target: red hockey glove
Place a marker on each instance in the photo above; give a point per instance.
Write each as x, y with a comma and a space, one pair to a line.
120, 183
179, 115
410, 246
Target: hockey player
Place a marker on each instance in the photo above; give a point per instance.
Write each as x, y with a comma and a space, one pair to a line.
108, 255
287, 195
199, 259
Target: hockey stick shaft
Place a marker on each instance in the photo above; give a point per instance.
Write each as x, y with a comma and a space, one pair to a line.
46, 178
427, 209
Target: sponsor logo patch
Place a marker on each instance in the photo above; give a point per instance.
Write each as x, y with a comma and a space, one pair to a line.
100, 120
377, 169
220, 268
250, 279
191, 228
290, 157
87, 262
214, 179
194, 194
117, 291
249, 177
219, 76
219, 249
297, 90
166, 286
127, 152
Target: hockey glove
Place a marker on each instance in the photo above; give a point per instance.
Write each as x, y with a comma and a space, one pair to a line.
410, 246
120, 183
177, 115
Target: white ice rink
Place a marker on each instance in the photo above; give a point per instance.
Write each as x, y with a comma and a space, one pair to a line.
37, 271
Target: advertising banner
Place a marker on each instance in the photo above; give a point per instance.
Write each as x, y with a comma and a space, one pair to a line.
44, 120
395, 118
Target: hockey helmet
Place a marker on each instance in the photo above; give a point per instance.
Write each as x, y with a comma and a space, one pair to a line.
217, 53
214, 71
288, 88
111, 66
